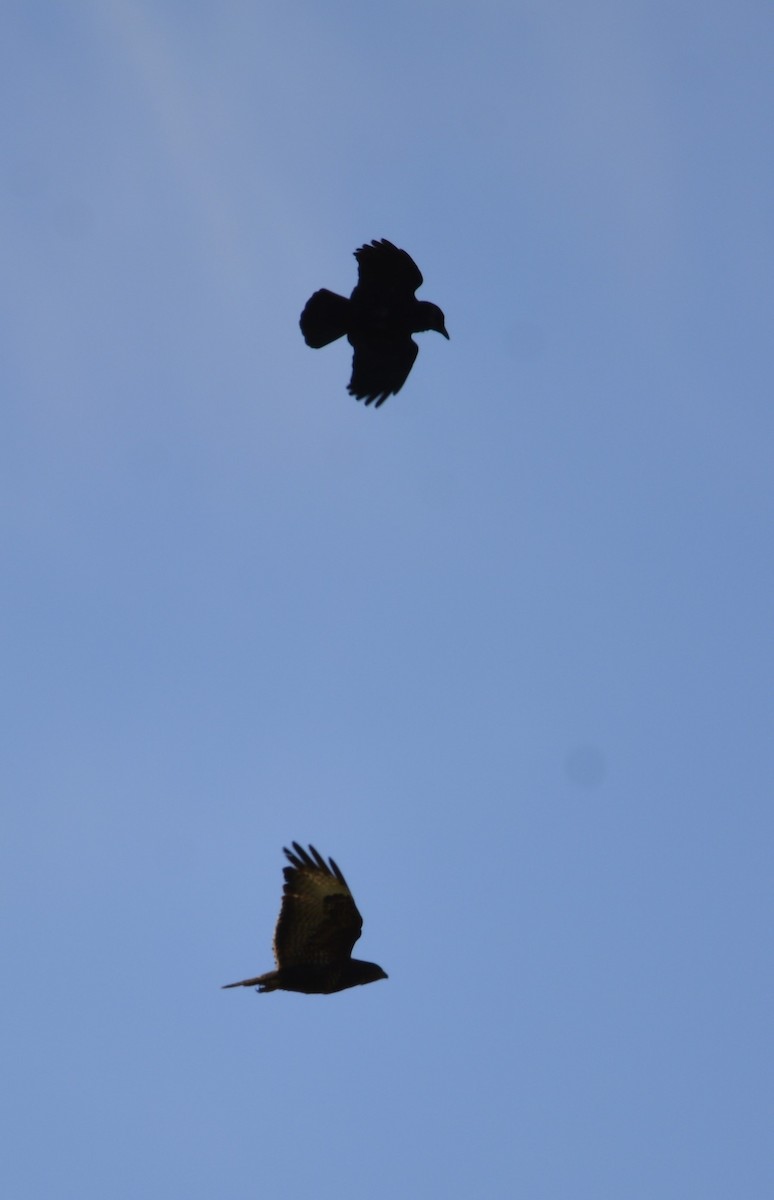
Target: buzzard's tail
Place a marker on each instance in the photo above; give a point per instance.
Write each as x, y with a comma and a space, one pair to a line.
265, 983
325, 318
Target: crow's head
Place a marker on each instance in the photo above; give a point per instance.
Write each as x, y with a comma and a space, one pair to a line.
429, 316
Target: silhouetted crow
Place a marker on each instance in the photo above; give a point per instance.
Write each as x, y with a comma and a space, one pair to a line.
378, 319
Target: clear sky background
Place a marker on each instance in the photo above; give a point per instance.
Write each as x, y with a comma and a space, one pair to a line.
502, 647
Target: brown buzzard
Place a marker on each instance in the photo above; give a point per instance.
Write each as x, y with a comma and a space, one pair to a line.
317, 927
378, 319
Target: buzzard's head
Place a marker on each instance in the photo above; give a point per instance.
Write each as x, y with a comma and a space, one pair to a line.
365, 972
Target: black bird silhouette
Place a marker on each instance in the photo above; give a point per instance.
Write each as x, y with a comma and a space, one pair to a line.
317, 927
378, 319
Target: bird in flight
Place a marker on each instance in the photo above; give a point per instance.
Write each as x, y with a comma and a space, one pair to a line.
378, 319
317, 927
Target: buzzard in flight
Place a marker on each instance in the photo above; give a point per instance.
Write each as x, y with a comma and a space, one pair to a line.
317, 927
378, 319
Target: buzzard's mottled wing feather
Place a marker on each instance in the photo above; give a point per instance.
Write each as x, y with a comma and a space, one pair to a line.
319, 922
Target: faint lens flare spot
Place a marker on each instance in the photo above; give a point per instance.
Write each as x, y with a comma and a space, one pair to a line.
585, 766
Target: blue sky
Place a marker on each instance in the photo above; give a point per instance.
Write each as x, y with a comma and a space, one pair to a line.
502, 647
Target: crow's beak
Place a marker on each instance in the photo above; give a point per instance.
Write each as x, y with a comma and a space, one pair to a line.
445, 334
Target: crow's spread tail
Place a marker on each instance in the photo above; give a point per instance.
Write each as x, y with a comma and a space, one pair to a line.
325, 318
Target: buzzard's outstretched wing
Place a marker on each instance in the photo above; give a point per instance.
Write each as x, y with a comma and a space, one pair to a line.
319, 922
385, 273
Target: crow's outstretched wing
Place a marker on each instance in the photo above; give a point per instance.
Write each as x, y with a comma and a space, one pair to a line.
319, 922
380, 367
385, 274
